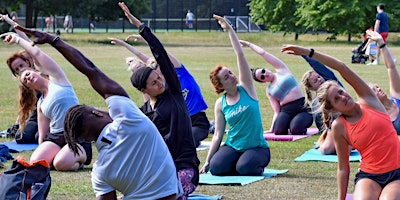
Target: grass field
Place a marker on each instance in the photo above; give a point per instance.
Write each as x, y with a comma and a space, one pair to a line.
200, 52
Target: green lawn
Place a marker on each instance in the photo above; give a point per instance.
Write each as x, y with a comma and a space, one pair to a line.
200, 52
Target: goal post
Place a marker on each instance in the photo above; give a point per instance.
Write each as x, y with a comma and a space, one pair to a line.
242, 23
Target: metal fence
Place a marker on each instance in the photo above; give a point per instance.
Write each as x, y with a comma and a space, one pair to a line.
240, 23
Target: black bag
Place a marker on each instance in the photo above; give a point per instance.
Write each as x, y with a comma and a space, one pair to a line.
25, 181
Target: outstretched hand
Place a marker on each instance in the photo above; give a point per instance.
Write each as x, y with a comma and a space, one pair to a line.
375, 36
7, 19
10, 37
294, 49
135, 38
222, 22
132, 19
244, 43
40, 37
115, 41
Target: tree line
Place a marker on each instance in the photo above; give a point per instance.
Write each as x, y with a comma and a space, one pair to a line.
336, 17
290, 16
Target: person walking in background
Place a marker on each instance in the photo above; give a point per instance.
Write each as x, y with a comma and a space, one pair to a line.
284, 93
132, 156
189, 19
49, 21
167, 108
68, 23
363, 124
381, 26
245, 151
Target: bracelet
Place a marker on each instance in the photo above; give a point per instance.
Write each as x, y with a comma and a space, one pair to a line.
56, 39
383, 45
311, 53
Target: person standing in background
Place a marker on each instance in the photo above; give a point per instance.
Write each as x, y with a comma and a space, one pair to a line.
381, 26
68, 23
189, 19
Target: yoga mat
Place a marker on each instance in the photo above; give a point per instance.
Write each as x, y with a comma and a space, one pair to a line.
209, 179
273, 137
204, 197
15, 147
204, 145
315, 155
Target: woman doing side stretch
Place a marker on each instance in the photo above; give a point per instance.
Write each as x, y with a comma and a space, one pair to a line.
364, 125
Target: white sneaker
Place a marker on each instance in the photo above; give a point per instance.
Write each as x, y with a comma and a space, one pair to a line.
375, 62
4, 134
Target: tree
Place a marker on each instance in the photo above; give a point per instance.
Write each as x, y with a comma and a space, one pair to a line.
276, 15
337, 17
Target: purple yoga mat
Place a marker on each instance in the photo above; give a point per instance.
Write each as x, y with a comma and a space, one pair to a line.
273, 137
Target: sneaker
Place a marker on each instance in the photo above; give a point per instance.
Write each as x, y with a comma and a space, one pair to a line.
376, 62
4, 134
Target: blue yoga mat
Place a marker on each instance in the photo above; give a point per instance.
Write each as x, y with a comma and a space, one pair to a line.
204, 197
315, 155
15, 147
209, 179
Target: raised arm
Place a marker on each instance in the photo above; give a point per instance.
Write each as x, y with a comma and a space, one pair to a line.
173, 59
276, 63
159, 53
394, 76
46, 64
99, 81
130, 48
7, 19
245, 77
321, 69
365, 94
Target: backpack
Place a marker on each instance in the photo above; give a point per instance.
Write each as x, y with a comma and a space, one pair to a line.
25, 181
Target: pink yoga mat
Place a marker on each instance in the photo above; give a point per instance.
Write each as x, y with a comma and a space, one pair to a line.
273, 137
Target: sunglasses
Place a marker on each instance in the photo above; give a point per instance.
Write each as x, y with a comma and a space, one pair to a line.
263, 71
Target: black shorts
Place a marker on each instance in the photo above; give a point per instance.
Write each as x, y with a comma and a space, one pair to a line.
59, 139
381, 179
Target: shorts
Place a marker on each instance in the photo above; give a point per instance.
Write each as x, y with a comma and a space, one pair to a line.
382, 179
59, 139
384, 35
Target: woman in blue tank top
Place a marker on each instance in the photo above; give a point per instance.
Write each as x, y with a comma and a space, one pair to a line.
245, 151
284, 94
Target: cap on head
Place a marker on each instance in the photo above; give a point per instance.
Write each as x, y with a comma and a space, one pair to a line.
140, 76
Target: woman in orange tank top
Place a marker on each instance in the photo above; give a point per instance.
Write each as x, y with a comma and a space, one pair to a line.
365, 125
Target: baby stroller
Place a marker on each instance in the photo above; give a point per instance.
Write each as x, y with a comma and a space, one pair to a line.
359, 55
